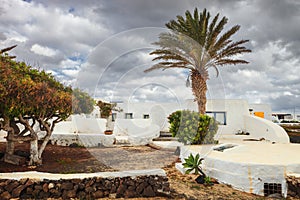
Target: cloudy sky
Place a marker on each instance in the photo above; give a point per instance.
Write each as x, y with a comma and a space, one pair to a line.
103, 46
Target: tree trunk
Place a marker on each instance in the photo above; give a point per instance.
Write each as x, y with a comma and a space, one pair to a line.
47, 137
11, 131
34, 153
199, 88
10, 145
34, 147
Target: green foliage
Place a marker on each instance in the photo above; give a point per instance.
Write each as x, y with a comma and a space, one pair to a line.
82, 102
29, 97
193, 164
207, 180
30, 92
193, 128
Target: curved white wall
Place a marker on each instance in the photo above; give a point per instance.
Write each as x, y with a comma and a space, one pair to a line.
262, 128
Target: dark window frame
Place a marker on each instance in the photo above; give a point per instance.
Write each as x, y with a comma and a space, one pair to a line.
113, 117
146, 116
128, 115
218, 112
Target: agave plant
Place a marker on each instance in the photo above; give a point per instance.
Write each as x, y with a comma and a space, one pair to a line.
193, 164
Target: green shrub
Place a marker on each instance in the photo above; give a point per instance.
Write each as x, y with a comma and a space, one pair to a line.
192, 128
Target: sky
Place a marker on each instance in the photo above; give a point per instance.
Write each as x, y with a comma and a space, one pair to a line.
103, 47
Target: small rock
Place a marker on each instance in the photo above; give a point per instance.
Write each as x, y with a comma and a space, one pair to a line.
140, 187
50, 186
148, 192
11, 186
5, 195
275, 195
107, 184
76, 181
17, 191
67, 186
200, 179
29, 190
81, 186
121, 189
69, 194
130, 182
130, 194
23, 181
113, 189
81, 195
29, 183
98, 194
43, 195
38, 187
112, 196
89, 189
45, 187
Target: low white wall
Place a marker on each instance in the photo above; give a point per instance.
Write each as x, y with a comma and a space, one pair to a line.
248, 177
86, 140
65, 127
262, 128
89, 125
139, 131
80, 124
130, 126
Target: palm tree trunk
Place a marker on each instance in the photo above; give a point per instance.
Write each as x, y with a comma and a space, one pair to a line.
199, 88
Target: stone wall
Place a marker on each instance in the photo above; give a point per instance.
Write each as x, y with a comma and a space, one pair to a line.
87, 188
293, 184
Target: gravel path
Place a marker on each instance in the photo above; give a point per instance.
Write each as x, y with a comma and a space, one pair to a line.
134, 158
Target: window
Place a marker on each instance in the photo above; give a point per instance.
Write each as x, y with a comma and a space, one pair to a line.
272, 188
113, 117
146, 116
218, 116
128, 116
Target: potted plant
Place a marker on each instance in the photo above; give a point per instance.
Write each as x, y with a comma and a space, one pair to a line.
108, 132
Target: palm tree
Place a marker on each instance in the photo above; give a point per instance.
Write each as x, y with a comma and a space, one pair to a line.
196, 44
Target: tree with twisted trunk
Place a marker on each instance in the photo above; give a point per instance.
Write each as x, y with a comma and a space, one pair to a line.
195, 43
30, 101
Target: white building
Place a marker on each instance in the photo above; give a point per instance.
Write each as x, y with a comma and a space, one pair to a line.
233, 115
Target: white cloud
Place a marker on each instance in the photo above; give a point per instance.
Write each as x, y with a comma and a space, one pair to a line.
44, 51
63, 37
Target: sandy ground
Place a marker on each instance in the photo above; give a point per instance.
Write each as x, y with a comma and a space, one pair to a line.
58, 159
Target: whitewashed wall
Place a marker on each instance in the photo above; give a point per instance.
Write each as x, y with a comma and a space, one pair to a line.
234, 108
265, 108
262, 128
158, 112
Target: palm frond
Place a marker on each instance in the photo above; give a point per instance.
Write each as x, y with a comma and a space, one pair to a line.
7, 49
164, 66
231, 62
195, 43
